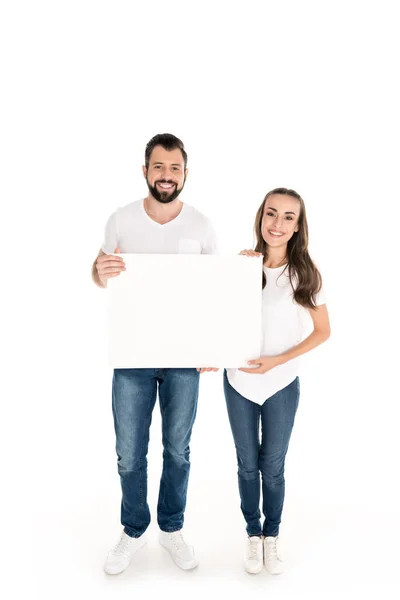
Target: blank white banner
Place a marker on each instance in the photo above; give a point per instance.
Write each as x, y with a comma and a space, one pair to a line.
172, 310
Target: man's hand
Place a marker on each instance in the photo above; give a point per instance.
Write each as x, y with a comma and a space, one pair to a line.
108, 266
207, 369
264, 364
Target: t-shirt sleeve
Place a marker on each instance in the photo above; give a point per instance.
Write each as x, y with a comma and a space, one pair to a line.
210, 245
110, 241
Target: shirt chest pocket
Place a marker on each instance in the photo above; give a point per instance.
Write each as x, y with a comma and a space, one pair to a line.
189, 246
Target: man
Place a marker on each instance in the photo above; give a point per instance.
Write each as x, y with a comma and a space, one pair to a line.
160, 223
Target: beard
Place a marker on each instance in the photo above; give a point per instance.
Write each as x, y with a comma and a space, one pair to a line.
164, 197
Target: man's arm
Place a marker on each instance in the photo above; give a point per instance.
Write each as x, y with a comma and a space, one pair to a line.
95, 274
107, 266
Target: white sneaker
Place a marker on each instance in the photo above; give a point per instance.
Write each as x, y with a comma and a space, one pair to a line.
182, 554
253, 558
272, 560
121, 555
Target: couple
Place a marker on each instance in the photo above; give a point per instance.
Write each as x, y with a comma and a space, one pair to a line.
267, 392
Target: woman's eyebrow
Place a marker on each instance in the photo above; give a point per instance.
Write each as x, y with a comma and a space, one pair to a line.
287, 212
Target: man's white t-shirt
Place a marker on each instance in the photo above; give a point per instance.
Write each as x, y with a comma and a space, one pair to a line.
285, 325
130, 228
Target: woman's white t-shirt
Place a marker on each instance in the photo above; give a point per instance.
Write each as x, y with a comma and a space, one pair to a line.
285, 325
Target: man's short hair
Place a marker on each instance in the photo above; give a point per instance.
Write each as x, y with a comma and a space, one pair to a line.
168, 142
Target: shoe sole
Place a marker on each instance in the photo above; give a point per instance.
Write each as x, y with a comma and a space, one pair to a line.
111, 572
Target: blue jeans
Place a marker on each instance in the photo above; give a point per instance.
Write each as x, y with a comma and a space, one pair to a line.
134, 393
268, 457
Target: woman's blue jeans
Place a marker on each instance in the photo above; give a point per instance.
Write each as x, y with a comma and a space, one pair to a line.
265, 456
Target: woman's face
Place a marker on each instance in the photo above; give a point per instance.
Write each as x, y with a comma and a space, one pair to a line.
280, 219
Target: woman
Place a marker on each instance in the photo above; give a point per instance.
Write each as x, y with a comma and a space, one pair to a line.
268, 391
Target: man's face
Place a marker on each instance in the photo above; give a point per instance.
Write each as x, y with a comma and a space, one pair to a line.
166, 174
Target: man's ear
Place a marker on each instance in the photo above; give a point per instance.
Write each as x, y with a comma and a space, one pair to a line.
144, 172
186, 172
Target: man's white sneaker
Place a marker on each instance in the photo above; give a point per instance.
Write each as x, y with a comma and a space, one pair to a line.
121, 555
272, 560
182, 554
253, 558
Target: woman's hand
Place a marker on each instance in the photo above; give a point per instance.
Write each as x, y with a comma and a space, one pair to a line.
250, 253
264, 364
207, 369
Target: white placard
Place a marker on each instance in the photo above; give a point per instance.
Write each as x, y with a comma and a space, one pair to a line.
185, 310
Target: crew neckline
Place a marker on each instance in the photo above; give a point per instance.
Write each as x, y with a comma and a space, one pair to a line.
275, 268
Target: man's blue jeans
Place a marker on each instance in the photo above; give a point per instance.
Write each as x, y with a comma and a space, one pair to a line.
134, 393
266, 457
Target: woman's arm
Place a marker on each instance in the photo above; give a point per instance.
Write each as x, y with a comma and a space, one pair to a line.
320, 334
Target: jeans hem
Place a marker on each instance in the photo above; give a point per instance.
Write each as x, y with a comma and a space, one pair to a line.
132, 533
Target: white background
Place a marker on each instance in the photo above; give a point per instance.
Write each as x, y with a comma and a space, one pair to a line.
263, 94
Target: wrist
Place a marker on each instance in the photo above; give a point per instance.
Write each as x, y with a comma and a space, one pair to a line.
281, 359
101, 283
97, 280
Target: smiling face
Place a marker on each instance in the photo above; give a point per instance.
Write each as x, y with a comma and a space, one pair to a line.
280, 219
166, 174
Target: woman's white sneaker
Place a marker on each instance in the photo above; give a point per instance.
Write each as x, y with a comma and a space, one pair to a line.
253, 558
119, 558
272, 560
182, 554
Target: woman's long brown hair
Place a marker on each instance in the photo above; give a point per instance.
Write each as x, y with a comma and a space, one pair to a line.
305, 278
